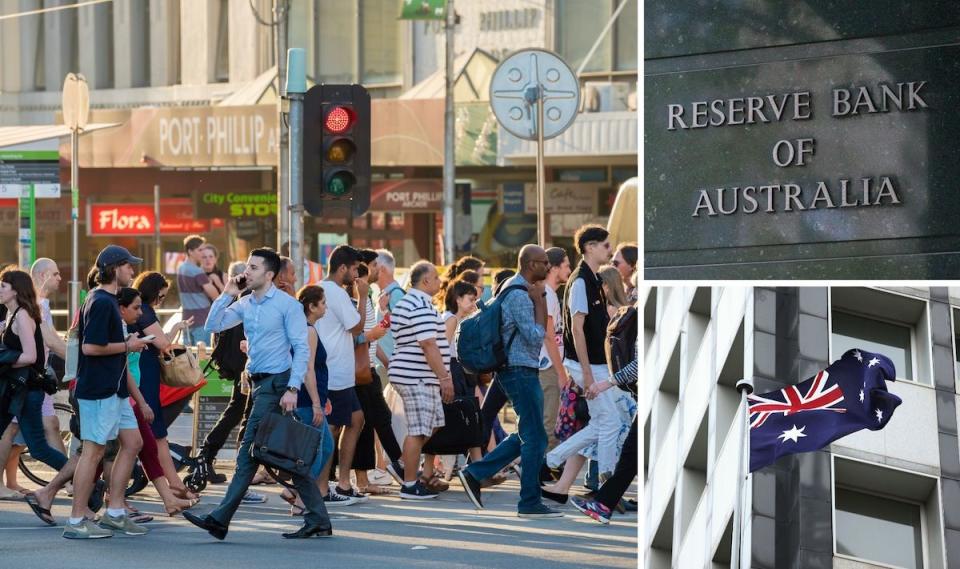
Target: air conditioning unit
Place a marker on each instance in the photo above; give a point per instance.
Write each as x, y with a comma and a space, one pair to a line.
605, 96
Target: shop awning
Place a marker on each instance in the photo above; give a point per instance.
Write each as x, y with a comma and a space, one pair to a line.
472, 72
20, 135
592, 135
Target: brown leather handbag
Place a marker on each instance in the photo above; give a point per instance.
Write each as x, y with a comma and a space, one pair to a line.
361, 358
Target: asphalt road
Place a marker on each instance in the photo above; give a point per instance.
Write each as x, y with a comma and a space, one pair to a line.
385, 533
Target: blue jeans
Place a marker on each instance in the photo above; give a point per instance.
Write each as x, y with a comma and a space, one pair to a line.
522, 386
266, 399
31, 426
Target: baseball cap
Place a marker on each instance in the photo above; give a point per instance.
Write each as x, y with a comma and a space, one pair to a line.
115, 255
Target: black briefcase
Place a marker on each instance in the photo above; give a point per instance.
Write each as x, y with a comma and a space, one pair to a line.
462, 430
285, 443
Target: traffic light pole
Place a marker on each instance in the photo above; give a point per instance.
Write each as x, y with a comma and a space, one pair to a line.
449, 140
280, 44
296, 87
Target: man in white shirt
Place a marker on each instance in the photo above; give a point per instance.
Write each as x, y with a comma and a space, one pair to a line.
553, 376
585, 320
337, 329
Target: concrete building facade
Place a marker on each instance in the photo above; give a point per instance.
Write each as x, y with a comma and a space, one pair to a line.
884, 498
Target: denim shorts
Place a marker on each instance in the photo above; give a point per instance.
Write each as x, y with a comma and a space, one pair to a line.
101, 420
326, 441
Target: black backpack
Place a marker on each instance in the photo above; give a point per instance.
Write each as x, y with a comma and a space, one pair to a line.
226, 356
621, 342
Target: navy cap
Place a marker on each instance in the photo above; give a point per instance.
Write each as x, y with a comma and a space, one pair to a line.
115, 255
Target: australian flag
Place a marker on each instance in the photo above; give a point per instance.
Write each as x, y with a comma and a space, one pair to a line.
851, 394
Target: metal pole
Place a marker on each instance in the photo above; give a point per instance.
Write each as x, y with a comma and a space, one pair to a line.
541, 174
745, 387
74, 215
158, 256
449, 155
296, 87
283, 195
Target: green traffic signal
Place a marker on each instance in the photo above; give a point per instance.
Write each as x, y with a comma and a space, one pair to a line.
340, 183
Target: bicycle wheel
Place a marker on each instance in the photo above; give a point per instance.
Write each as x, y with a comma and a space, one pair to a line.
138, 480
38, 472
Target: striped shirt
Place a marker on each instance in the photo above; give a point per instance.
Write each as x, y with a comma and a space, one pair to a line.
195, 302
415, 319
368, 325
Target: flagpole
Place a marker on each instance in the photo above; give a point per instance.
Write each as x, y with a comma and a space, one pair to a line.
745, 387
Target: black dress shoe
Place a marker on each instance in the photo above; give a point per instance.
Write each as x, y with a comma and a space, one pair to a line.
558, 498
215, 528
310, 531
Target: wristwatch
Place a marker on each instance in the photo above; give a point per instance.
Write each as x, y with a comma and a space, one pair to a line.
293, 389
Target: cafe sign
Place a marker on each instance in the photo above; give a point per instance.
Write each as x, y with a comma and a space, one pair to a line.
564, 197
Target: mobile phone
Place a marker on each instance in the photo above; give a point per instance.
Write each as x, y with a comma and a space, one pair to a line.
241, 282
148, 338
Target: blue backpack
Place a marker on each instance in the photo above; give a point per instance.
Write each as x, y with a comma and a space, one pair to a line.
480, 347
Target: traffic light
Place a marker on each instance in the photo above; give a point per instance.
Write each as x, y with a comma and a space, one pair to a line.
336, 147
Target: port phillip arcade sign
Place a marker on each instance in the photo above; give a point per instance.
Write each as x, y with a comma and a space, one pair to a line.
799, 155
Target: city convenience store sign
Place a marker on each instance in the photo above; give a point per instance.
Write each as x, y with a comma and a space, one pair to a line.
756, 111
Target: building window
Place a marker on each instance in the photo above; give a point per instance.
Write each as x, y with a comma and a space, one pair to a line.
381, 42
579, 23
862, 519
222, 70
337, 35
886, 515
884, 322
360, 42
892, 340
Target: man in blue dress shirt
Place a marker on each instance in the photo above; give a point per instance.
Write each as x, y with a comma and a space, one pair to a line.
276, 332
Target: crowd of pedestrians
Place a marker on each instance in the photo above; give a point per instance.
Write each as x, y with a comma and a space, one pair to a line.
336, 354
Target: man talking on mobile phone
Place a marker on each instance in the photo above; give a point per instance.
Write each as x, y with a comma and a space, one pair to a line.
276, 332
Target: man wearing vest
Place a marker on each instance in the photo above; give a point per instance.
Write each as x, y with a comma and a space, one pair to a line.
585, 320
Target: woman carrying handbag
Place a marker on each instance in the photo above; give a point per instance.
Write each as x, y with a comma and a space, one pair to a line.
153, 288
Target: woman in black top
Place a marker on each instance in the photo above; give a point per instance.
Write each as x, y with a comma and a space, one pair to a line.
22, 333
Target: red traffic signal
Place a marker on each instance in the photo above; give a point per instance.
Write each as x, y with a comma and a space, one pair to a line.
339, 119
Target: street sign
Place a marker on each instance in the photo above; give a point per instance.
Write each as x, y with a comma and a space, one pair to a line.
424, 10
535, 96
19, 169
514, 93
76, 101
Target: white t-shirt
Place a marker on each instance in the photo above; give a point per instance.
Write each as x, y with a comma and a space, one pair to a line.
577, 303
553, 309
334, 332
